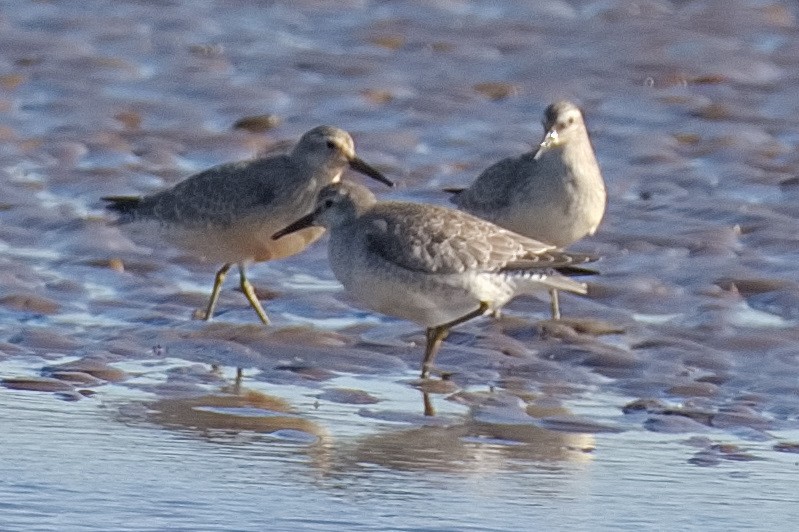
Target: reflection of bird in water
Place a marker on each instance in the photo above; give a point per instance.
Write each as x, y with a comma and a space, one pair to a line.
227, 213
436, 266
232, 407
554, 194
473, 446
234, 412
429, 387
247, 410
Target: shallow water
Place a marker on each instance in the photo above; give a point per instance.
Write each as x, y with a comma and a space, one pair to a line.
106, 463
684, 415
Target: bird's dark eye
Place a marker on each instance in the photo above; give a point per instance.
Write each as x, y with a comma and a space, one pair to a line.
571, 120
328, 203
331, 144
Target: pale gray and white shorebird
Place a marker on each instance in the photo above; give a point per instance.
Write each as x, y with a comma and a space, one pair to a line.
228, 213
433, 265
555, 194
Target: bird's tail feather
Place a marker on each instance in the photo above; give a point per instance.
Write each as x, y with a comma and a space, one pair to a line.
547, 280
564, 283
575, 271
124, 205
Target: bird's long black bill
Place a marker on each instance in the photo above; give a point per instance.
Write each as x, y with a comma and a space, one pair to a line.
302, 223
359, 165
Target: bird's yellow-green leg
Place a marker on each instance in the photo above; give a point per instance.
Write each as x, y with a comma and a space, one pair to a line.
554, 303
249, 291
218, 280
436, 335
429, 409
237, 382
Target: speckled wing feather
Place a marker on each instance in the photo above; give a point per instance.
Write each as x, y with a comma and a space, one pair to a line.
494, 188
562, 261
218, 195
435, 239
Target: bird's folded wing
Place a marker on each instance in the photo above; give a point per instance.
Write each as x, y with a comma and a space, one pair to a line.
434, 239
562, 261
495, 186
220, 194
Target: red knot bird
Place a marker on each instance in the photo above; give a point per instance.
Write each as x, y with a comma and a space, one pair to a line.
554, 194
436, 266
226, 214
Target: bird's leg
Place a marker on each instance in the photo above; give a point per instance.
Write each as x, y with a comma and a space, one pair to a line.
237, 382
429, 409
554, 303
249, 291
218, 280
436, 335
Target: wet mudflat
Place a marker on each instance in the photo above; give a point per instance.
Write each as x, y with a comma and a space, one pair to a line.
668, 397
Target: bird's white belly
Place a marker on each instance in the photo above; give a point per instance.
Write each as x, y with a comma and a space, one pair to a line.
426, 299
243, 241
555, 222
428, 308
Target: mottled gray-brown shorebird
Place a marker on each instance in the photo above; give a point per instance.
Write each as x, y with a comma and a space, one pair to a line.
228, 213
436, 266
554, 194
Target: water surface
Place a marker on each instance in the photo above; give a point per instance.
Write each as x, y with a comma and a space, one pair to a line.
682, 414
